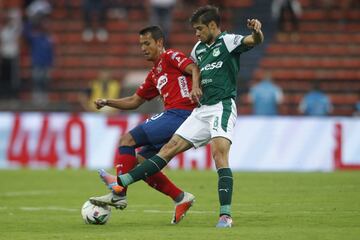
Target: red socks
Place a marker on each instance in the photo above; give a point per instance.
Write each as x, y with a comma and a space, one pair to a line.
126, 161
162, 183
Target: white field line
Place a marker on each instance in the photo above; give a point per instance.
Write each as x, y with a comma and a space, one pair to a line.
49, 209
26, 193
64, 209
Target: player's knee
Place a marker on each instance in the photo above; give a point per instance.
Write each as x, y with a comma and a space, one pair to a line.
127, 140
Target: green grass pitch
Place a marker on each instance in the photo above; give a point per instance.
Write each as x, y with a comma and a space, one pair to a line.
45, 204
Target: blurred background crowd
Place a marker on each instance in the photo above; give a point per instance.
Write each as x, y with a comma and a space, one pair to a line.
59, 55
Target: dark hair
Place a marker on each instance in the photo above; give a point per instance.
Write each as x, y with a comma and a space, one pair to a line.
155, 31
205, 15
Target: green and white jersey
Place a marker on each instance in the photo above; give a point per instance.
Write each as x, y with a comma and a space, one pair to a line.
219, 66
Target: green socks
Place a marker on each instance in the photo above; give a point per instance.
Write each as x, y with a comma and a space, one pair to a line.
142, 171
225, 188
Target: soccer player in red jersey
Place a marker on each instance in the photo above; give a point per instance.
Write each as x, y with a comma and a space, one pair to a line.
171, 79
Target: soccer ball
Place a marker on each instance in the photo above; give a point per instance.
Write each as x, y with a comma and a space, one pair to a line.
93, 214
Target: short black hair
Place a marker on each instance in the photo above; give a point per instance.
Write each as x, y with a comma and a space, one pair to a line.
205, 15
155, 31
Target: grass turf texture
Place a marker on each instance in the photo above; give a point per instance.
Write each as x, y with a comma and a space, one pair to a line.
45, 204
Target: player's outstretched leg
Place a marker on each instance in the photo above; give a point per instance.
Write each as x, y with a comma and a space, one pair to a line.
182, 207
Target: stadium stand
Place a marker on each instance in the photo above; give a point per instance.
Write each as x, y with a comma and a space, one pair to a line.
77, 62
327, 49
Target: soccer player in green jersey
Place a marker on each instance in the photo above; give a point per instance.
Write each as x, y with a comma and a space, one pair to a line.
217, 55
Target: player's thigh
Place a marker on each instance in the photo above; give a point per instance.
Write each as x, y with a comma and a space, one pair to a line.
223, 121
158, 129
195, 129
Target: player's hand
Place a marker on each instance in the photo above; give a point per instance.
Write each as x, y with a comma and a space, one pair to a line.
254, 25
195, 95
100, 103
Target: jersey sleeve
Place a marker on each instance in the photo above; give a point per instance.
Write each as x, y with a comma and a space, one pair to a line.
193, 53
234, 43
178, 60
147, 90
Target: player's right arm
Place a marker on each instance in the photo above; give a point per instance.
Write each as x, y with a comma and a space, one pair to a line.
145, 92
257, 36
126, 103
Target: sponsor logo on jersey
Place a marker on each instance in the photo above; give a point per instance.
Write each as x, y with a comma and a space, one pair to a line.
181, 62
183, 86
237, 39
174, 55
206, 81
178, 59
161, 82
216, 52
211, 66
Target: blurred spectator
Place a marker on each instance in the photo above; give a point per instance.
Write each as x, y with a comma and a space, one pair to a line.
9, 51
38, 8
283, 9
95, 9
104, 86
161, 12
265, 97
315, 102
42, 56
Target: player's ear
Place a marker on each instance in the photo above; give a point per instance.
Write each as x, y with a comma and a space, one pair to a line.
212, 25
160, 42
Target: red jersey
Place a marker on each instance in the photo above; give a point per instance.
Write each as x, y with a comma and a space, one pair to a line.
168, 79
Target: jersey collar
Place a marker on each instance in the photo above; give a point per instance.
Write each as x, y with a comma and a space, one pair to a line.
217, 38
160, 57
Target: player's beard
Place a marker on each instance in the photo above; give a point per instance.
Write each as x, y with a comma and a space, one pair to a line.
209, 39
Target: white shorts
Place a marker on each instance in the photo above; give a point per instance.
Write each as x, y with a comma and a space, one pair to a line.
209, 121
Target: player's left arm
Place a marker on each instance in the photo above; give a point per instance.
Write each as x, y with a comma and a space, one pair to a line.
257, 35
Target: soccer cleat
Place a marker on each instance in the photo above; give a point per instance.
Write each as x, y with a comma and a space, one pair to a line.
225, 221
111, 199
182, 207
110, 181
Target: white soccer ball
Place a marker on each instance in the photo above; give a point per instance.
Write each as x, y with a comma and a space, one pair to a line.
93, 214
